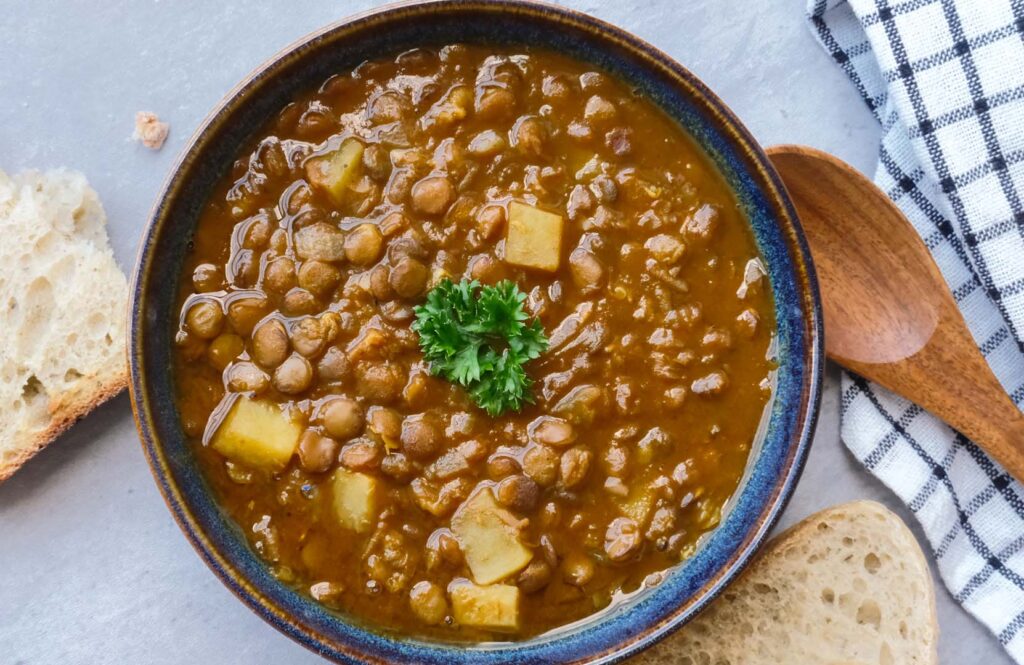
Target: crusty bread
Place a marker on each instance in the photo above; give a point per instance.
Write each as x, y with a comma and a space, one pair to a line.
62, 334
847, 586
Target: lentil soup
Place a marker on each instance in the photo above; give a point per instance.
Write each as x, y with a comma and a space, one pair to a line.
383, 490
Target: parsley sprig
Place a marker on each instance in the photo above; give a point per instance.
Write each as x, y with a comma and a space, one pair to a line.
478, 337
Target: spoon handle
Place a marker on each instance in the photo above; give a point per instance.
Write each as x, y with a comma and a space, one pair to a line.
950, 378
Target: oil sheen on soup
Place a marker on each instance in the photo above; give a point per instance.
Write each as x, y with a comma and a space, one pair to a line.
382, 490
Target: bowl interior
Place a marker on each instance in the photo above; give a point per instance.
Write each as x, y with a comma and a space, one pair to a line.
775, 459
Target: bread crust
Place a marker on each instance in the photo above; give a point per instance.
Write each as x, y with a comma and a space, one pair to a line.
65, 411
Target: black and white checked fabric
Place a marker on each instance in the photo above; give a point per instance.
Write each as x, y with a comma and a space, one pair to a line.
946, 80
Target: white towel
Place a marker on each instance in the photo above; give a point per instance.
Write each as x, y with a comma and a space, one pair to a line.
946, 80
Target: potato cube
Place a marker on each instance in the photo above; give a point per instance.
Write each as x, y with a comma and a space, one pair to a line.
534, 238
333, 172
489, 537
493, 607
640, 501
257, 434
637, 506
355, 499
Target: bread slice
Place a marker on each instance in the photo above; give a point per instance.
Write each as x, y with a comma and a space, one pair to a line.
63, 298
847, 586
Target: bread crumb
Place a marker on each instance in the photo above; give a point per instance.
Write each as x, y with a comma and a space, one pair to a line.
149, 130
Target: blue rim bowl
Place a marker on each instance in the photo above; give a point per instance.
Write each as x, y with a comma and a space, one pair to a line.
776, 459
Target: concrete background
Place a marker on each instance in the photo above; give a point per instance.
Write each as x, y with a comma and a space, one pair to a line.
94, 569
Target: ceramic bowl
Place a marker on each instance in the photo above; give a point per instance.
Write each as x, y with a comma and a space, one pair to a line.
776, 458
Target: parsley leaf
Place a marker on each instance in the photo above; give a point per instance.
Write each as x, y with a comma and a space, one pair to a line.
479, 337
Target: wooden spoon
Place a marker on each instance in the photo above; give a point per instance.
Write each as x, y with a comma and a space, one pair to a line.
889, 315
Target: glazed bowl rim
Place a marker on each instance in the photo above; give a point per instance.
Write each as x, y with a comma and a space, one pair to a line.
338, 646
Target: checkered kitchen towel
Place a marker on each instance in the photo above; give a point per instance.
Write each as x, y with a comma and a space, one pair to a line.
946, 80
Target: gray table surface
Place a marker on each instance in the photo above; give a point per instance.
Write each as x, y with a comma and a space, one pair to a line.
94, 569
